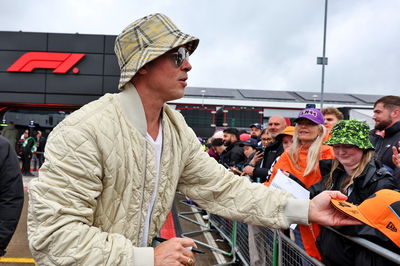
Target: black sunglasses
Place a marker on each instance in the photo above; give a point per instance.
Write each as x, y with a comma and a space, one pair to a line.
180, 56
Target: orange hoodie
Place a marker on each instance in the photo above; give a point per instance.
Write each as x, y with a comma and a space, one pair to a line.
309, 233
328, 134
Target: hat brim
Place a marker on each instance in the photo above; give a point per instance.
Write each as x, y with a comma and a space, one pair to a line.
385, 198
250, 145
282, 135
332, 142
305, 118
351, 210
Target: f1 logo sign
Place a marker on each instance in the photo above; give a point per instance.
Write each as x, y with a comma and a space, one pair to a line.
60, 62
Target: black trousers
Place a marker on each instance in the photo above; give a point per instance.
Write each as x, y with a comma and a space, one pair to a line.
26, 162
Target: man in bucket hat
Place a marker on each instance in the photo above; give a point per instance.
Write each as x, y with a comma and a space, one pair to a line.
112, 167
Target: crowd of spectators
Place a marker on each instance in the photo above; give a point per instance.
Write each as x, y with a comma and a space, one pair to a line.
322, 151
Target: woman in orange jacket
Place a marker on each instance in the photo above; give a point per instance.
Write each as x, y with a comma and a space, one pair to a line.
301, 162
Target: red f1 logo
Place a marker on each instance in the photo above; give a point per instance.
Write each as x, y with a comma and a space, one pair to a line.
60, 62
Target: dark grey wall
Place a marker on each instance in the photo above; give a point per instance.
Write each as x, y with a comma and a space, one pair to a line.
98, 70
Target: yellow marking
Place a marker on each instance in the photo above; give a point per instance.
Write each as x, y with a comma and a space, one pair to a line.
17, 260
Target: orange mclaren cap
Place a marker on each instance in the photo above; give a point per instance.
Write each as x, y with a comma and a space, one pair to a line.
381, 211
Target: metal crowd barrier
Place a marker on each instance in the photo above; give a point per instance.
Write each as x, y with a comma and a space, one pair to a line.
383, 252
254, 245
224, 227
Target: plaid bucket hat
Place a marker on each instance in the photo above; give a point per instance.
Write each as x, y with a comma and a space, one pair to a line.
351, 132
146, 39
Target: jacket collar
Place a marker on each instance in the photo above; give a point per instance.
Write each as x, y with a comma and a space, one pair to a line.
393, 129
132, 107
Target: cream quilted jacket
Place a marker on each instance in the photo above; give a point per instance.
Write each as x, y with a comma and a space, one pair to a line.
89, 204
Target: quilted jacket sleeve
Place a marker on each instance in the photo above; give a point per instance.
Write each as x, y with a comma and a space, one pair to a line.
62, 205
217, 190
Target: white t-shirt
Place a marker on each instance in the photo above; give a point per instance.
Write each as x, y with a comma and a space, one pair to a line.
157, 147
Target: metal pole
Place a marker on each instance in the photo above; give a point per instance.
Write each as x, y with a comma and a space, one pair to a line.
324, 61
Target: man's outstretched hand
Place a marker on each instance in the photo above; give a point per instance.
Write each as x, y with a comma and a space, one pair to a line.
322, 212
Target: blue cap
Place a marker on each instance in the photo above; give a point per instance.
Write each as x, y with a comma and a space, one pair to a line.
249, 142
257, 125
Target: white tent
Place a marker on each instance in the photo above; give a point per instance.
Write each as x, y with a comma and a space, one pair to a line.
362, 115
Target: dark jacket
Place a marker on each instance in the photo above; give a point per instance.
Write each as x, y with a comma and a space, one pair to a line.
233, 155
41, 143
247, 162
271, 152
336, 250
11, 193
383, 147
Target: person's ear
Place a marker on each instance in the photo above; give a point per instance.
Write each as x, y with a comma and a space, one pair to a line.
396, 113
143, 70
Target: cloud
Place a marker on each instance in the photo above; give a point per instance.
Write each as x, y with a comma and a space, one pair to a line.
271, 45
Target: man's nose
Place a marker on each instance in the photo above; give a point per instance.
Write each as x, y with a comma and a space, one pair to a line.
186, 66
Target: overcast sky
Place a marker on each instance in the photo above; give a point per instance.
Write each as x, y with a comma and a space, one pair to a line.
265, 44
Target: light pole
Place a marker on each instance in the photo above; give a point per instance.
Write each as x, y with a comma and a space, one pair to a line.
202, 97
323, 60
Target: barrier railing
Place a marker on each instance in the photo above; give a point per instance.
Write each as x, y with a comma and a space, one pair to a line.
254, 245
387, 254
225, 228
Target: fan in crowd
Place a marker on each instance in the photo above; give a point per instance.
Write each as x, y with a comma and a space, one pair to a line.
276, 124
216, 148
266, 138
386, 135
301, 163
332, 116
255, 131
233, 155
356, 174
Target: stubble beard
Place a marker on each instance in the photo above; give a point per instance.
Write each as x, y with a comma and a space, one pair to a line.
383, 124
274, 134
227, 143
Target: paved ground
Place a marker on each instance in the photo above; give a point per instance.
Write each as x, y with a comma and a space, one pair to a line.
18, 251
